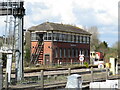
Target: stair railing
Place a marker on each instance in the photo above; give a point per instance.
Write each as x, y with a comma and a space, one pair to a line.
38, 52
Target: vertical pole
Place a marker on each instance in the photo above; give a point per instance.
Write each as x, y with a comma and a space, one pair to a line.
82, 63
69, 71
18, 13
19, 48
58, 62
106, 73
6, 80
51, 60
91, 74
71, 61
42, 80
16, 48
9, 65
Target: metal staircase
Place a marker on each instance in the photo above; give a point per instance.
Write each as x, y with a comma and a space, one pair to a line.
37, 55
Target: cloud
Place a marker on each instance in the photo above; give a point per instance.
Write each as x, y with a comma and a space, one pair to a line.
60, 8
109, 30
2, 25
100, 13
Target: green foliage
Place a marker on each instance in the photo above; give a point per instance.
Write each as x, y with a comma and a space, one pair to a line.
27, 56
86, 64
103, 47
112, 52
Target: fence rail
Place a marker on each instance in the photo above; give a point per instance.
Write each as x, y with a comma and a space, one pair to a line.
50, 79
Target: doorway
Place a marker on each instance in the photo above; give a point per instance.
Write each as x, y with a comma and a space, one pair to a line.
47, 59
40, 37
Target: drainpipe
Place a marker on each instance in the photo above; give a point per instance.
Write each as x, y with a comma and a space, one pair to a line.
51, 57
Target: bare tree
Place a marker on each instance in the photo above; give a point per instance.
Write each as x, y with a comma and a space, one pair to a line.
94, 38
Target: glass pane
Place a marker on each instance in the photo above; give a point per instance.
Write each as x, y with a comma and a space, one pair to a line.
78, 39
33, 36
60, 52
45, 36
64, 52
57, 36
60, 37
69, 52
49, 36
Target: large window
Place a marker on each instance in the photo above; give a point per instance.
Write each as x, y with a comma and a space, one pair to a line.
88, 39
76, 52
66, 37
69, 52
49, 36
77, 39
84, 39
73, 52
69, 38
45, 36
33, 36
54, 36
63, 37
57, 36
74, 38
60, 52
65, 52
81, 39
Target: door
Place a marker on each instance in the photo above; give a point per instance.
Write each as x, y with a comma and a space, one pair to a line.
41, 37
47, 59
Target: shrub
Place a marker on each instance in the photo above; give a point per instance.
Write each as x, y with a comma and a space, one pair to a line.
86, 64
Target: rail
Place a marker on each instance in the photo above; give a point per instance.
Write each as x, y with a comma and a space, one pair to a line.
53, 79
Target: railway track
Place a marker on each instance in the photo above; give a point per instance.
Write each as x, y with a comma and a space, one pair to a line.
61, 84
61, 72
31, 70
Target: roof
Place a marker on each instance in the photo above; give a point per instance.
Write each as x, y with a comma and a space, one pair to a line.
48, 26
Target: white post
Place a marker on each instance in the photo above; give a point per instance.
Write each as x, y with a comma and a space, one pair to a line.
9, 65
112, 61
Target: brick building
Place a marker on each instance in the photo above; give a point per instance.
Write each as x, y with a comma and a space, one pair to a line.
53, 43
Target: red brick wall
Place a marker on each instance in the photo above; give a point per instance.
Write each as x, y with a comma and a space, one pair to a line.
70, 45
33, 45
48, 50
48, 47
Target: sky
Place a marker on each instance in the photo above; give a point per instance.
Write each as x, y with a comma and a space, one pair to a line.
82, 13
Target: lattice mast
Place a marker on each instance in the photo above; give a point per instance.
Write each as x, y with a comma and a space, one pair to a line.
16, 9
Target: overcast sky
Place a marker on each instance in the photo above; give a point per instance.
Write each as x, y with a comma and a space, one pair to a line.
100, 13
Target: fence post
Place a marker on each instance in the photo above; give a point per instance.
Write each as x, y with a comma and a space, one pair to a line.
91, 74
69, 71
6, 81
106, 73
71, 62
58, 62
42, 80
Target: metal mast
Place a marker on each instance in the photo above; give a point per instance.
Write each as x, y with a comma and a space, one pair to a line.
17, 10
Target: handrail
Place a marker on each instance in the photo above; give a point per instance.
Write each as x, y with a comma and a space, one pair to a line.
38, 52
